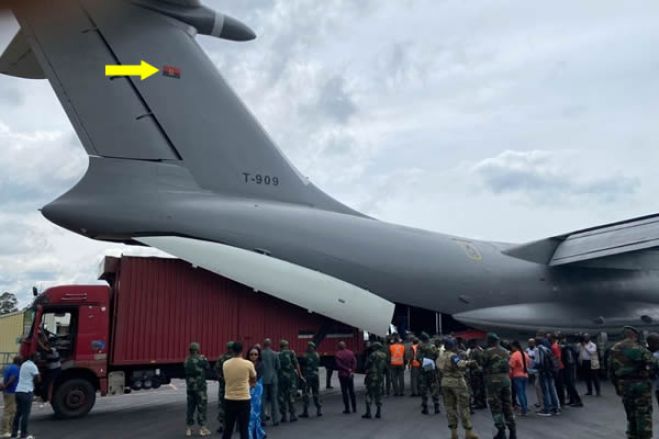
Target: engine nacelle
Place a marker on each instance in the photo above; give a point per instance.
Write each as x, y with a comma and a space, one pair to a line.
205, 20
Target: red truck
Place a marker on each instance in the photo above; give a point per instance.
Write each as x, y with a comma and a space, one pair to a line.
133, 334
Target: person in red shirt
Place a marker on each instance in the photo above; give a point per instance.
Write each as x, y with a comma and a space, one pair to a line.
559, 375
519, 363
346, 363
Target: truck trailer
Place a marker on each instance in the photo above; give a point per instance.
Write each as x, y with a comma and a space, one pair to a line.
133, 333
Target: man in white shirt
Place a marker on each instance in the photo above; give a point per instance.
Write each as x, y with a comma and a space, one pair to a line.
24, 395
532, 351
589, 360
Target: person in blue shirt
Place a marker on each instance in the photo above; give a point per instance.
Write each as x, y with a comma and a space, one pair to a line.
256, 430
8, 387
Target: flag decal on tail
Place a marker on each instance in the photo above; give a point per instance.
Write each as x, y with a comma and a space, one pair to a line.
171, 71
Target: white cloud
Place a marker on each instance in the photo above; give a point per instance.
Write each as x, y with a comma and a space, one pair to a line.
500, 120
550, 177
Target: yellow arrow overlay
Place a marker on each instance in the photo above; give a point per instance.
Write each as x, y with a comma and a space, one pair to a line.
143, 70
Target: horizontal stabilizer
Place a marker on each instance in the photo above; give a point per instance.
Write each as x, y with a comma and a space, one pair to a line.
19, 60
625, 245
301, 286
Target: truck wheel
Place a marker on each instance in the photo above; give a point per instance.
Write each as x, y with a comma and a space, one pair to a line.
74, 398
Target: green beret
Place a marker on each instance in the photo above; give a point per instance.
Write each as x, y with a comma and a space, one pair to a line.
230, 344
311, 344
194, 347
491, 336
283, 342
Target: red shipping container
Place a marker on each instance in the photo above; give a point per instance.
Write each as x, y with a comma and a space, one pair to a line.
161, 305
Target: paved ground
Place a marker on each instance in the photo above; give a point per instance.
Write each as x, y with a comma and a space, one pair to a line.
160, 414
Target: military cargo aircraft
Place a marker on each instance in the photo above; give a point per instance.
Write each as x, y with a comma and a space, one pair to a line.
178, 163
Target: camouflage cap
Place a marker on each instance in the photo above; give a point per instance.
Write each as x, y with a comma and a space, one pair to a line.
630, 328
194, 347
311, 345
283, 342
492, 337
230, 344
424, 337
377, 345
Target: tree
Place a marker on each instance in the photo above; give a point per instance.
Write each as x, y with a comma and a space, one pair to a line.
8, 303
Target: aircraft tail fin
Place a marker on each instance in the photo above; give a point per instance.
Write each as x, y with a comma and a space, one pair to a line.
185, 114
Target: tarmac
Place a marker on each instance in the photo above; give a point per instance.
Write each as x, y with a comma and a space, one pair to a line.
161, 414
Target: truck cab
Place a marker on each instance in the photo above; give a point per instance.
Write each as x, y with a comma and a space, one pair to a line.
74, 319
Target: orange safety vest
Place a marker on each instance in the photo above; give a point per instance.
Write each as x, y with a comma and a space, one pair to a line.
415, 362
397, 352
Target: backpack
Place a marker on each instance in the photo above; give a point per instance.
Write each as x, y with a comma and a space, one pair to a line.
546, 361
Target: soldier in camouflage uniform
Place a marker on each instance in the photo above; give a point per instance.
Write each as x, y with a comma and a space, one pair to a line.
428, 381
453, 365
220, 381
311, 380
631, 367
388, 382
289, 372
494, 362
476, 379
375, 366
195, 367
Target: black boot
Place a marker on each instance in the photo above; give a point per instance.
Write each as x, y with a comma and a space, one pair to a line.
293, 417
367, 415
318, 412
305, 413
378, 414
283, 419
436, 409
501, 434
424, 411
512, 434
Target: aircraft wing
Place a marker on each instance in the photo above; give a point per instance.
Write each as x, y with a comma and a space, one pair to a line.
632, 244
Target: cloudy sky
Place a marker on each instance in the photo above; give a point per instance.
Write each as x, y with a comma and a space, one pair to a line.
504, 120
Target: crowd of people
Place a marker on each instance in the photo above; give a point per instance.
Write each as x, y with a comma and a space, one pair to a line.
262, 388
261, 385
